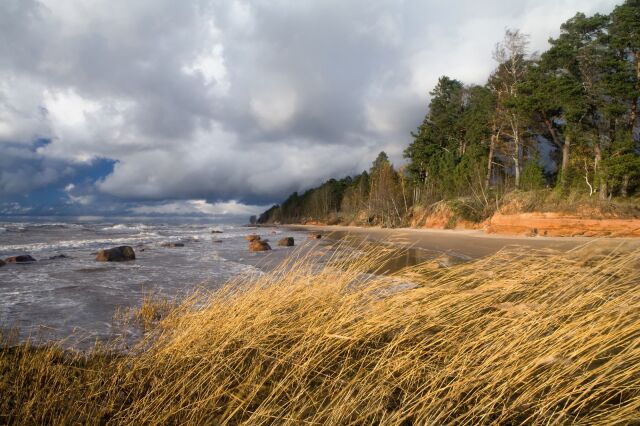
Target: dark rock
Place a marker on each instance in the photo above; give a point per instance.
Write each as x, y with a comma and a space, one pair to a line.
59, 256
315, 236
2, 262
217, 241
116, 254
172, 245
258, 245
286, 242
215, 231
25, 258
252, 237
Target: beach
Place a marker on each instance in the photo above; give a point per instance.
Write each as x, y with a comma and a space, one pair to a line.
465, 244
68, 293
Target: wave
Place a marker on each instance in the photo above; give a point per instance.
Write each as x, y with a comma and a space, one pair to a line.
96, 243
51, 225
125, 228
30, 226
13, 227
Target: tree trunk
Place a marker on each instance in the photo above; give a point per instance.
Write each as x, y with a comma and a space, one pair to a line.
495, 134
624, 189
603, 189
586, 178
553, 133
462, 146
565, 157
566, 145
560, 144
634, 107
517, 159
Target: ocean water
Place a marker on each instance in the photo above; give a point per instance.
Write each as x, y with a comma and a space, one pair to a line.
77, 296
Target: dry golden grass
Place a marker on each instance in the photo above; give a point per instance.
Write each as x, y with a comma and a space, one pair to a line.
151, 311
536, 338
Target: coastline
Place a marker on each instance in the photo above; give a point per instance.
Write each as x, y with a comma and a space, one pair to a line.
464, 242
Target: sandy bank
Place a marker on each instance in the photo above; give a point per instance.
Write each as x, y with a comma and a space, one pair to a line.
512, 220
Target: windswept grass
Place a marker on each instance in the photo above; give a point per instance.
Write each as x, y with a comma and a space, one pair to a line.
518, 337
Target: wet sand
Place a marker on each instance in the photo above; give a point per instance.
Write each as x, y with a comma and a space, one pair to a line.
463, 244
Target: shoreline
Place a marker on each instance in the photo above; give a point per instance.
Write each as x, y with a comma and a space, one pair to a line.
468, 243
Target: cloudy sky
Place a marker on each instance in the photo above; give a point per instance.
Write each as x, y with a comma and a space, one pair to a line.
113, 107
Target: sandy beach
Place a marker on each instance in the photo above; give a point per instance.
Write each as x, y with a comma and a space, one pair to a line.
464, 243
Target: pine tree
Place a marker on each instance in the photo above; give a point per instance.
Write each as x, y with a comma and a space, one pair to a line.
581, 52
625, 37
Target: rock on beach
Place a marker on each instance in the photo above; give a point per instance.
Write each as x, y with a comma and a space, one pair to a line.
286, 242
24, 258
116, 254
259, 245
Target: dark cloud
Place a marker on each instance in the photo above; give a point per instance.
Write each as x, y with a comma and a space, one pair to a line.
231, 100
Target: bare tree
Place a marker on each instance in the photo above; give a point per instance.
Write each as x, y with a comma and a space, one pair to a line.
512, 57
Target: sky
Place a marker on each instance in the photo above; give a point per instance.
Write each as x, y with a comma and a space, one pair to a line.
222, 108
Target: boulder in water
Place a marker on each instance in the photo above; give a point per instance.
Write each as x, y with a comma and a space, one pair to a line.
172, 245
215, 231
315, 236
252, 237
59, 256
24, 258
2, 262
259, 245
116, 254
286, 242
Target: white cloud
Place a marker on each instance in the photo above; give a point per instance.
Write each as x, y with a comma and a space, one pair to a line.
68, 109
198, 207
22, 118
14, 208
212, 68
83, 200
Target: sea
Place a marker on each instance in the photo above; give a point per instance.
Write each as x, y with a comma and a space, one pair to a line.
67, 294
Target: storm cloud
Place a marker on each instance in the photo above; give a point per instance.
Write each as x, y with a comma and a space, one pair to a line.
236, 102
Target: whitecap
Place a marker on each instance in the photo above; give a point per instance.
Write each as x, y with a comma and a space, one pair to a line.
98, 242
125, 228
